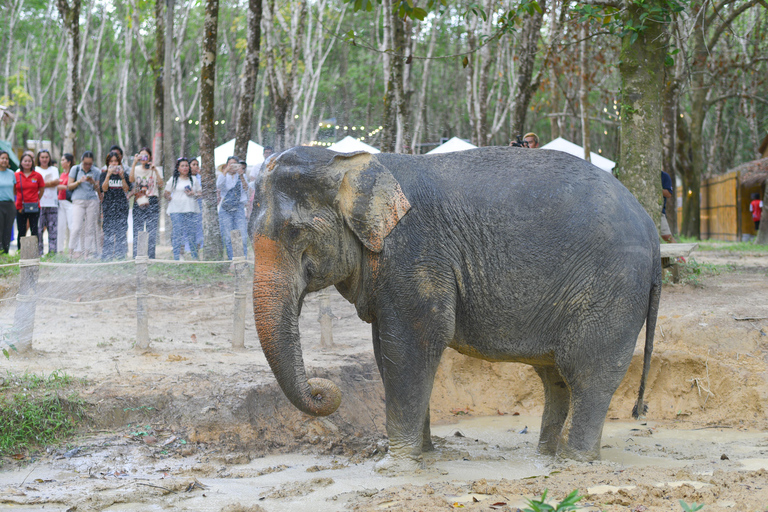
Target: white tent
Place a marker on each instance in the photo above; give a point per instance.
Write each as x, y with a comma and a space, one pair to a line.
350, 145
452, 145
560, 144
254, 155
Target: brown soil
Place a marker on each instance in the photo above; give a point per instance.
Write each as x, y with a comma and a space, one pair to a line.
195, 425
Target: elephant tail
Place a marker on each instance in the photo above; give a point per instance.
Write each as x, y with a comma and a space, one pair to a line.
640, 407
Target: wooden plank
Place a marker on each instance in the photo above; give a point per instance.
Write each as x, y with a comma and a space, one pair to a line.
677, 250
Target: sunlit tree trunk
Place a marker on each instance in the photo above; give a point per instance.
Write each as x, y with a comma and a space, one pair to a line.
212, 249
70, 13
250, 76
642, 72
157, 68
583, 92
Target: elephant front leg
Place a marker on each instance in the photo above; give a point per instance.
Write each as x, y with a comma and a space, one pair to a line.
557, 399
408, 371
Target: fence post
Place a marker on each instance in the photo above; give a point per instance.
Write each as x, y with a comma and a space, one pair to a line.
26, 304
325, 317
238, 329
142, 319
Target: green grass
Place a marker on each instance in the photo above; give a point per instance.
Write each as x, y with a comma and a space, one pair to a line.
718, 245
36, 410
205, 273
31, 420
4, 260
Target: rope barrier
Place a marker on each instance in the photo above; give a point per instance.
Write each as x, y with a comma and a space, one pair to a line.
100, 264
32, 298
180, 262
34, 262
9, 265
185, 299
84, 302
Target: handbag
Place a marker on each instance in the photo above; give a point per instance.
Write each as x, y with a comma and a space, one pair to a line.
231, 201
27, 207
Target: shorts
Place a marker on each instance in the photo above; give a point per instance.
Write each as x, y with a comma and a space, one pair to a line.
665, 231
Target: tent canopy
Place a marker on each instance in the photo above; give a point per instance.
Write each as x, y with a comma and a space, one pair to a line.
6, 146
254, 155
452, 145
560, 144
350, 145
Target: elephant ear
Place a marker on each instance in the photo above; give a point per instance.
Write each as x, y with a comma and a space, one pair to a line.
370, 198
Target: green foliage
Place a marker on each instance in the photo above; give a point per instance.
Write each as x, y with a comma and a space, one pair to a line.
207, 273
569, 503
692, 507
34, 412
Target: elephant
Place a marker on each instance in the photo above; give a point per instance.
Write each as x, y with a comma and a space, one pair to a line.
501, 253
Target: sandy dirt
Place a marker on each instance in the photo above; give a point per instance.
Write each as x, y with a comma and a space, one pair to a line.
194, 425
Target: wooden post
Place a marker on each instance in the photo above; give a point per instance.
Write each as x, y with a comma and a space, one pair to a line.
24, 317
142, 314
238, 329
325, 317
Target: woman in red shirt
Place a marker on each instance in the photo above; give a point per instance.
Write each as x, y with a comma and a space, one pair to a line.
29, 189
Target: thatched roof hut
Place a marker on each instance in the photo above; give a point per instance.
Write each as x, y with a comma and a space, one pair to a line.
753, 173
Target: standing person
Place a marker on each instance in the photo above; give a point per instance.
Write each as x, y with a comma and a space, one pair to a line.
182, 193
115, 187
756, 208
49, 203
666, 192
194, 169
64, 222
86, 195
146, 182
233, 190
7, 201
29, 189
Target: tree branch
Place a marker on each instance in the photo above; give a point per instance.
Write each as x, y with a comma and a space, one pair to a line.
727, 21
736, 95
604, 3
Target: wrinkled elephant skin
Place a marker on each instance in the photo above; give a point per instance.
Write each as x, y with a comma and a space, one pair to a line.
504, 254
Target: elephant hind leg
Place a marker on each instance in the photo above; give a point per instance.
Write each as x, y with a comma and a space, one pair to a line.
557, 398
426, 436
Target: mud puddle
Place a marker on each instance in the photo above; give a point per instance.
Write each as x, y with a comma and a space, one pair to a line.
120, 476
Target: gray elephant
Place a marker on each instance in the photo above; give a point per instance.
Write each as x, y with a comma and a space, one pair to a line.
505, 254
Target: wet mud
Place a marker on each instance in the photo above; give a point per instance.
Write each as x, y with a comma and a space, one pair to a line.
195, 425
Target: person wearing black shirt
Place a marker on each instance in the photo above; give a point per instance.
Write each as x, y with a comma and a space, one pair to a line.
115, 185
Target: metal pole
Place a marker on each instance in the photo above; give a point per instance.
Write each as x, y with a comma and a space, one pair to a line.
238, 329
142, 318
24, 316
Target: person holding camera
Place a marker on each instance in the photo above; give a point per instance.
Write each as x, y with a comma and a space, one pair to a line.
115, 187
146, 182
529, 140
86, 195
182, 193
233, 190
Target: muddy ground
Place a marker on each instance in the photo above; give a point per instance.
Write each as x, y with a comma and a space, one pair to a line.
194, 425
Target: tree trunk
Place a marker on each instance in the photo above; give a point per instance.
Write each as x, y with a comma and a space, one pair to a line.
71, 17
157, 68
642, 72
583, 92
525, 86
167, 90
212, 236
250, 76
670, 101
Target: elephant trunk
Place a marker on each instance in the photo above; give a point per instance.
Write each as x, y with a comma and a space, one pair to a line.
276, 303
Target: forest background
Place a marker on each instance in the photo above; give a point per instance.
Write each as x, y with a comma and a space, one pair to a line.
312, 72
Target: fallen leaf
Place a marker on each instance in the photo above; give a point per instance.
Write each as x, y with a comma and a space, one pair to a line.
172, 358
459, 412
150, 440
169, 441
194, 339
498, 505
515, 414
17, 456
498, 411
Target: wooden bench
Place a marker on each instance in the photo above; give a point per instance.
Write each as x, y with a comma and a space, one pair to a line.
669, 255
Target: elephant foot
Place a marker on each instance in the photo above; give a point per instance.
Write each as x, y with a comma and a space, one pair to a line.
393, 465
566, 452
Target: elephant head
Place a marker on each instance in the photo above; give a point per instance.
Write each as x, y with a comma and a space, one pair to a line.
315, 213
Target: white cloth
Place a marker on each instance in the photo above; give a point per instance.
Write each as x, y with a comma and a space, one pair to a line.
64, 225
180, 202
50, 197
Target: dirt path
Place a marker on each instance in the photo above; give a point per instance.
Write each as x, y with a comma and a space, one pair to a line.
194, 425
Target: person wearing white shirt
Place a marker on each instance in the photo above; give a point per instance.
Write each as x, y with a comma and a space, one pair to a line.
182, 192
49, 203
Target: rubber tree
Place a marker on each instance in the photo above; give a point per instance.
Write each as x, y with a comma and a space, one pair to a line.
250, 76
70, 14
212, 247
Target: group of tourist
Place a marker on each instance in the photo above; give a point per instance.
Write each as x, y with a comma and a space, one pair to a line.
85, 202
